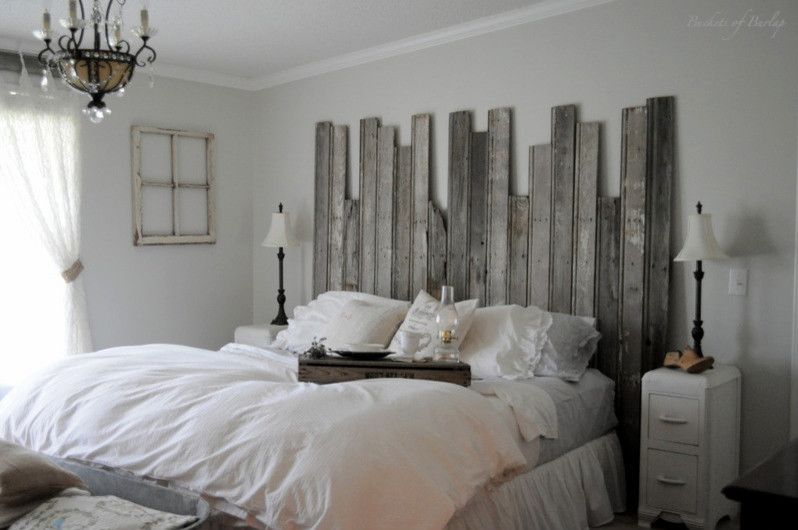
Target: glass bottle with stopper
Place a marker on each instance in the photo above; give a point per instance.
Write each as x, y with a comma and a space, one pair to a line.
447, 319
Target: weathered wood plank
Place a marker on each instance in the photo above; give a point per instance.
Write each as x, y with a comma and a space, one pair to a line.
386, 169
457, 227
608, 291
436, 275
498, 199
563, 145
519, 248
478, 218
659, 177
368, 203
633, 236
420, 142
321, 195
539, 224
403, 200
351, 245
335, 280
587, 167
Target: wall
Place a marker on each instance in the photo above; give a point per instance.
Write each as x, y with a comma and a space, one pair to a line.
194, 294
736, 116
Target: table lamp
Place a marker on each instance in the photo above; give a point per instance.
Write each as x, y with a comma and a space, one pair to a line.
700, 245
279, 236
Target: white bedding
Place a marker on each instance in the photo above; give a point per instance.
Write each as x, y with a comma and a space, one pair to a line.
237, 426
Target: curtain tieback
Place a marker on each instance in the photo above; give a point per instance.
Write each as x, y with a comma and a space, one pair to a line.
72, 273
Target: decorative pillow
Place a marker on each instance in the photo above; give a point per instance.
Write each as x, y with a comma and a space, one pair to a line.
572, 341
310, 321
361, 322
27, 476
506, 341
421, 319
99, 513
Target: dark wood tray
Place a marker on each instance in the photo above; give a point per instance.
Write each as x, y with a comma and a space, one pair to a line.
338, 370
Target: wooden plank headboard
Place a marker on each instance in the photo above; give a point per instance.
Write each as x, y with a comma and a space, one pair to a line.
562, 248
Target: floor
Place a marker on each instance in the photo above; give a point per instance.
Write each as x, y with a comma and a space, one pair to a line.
629, 522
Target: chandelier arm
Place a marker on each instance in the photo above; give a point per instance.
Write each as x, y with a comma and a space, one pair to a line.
107, 16
61, 43
152, 54
79, 41
47, 49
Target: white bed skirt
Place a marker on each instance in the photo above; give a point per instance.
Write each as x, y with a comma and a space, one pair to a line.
580, 489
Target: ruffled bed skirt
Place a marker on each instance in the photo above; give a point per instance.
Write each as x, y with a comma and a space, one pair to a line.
580, 489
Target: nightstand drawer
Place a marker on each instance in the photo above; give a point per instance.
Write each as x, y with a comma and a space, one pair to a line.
673, 419
672, 480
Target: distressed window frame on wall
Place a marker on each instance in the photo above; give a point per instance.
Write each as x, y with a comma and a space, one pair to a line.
140, 182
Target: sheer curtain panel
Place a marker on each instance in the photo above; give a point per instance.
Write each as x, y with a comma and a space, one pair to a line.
39, 153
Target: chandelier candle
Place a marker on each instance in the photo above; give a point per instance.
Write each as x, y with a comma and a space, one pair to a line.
95, 70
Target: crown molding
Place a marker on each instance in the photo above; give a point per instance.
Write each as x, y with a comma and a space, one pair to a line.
474, 28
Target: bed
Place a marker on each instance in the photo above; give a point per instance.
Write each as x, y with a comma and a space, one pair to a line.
90, 411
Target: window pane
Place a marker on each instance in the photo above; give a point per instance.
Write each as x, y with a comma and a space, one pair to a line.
193, 207
156, 211
191, 160
156, 157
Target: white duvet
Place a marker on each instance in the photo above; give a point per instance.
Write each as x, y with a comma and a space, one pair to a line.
237, 426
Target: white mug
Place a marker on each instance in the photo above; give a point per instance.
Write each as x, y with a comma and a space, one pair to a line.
410, 341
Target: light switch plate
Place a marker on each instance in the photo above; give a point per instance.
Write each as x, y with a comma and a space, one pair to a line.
738, 282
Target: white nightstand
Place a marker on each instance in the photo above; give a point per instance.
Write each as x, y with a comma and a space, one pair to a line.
689, 445
259, 336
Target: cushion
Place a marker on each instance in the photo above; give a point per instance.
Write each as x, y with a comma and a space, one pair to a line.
98, 513
421, 319
362, 322
310, 321
506, 341
572, 341
27, 476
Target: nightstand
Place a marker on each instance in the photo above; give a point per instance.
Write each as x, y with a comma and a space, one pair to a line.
689, 445
259, 336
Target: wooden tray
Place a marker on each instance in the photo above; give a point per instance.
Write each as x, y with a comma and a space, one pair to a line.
338, 370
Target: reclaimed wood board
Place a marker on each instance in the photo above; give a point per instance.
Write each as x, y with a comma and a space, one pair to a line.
436, 274
335, 276
457, 226
659, 177
498, 203
386, 168
539, 224
478, 217
607, 359
563, 145
368, 203
321, 213
351, 245
403, 200
586, 197
519, 247
633, 268
420, 143
339, 370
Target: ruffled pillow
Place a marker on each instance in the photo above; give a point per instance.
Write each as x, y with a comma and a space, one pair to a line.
571, 342
310, 321
506, 341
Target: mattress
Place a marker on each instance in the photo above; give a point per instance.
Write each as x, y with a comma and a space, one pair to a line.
585, 411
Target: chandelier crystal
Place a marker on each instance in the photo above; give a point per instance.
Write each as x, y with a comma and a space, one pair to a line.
107, 65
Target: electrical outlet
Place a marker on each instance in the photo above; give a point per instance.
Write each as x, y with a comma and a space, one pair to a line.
738, 282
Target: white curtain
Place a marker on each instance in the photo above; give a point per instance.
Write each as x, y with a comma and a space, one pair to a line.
39, 154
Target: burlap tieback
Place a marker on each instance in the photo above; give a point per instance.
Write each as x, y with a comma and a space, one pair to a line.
72, 273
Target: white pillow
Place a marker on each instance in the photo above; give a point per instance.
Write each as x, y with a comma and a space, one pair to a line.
572, 341
361, 322
421, 319
310, 321
506, 341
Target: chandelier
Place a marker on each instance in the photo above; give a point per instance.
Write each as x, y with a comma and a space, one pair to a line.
106, 63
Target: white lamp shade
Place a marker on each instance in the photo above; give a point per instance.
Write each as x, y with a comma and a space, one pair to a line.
700, 243
279, 232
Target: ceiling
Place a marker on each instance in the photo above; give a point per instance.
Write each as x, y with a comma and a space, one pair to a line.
259, 43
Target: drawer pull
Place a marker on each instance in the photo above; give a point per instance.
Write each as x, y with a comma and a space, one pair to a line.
672, 419
670, 481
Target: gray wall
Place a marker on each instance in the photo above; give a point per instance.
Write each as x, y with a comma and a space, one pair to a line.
193, 294
737, 128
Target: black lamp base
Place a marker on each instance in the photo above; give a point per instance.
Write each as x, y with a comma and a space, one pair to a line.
281, 319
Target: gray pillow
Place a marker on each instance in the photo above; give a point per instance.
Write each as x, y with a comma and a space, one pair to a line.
572, 341
27, 476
